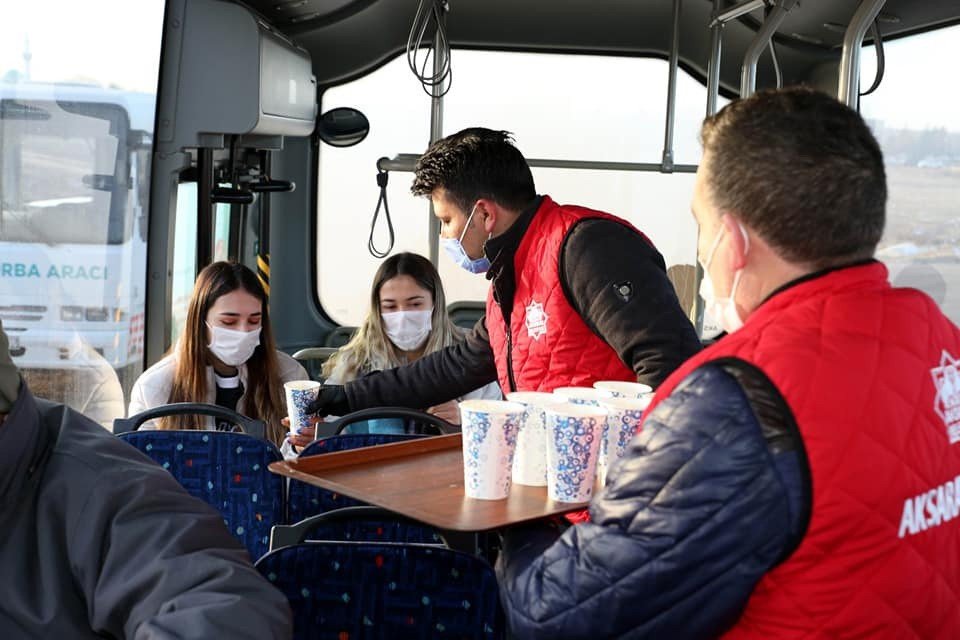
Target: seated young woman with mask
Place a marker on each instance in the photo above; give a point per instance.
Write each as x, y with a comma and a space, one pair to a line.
226, 356
407, 320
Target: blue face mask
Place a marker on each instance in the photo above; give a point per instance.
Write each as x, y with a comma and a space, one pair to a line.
454, 249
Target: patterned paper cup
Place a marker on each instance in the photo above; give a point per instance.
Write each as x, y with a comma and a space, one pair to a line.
300, 393
623, 389
530, 459
622, 423
489, 430
573, 443
583, 395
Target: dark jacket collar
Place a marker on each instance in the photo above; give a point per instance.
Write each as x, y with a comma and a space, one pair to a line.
23, 447
501, 249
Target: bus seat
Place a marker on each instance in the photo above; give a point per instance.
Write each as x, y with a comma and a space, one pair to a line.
362, 589
356, 524
466, 313
339, 336
313, 359
226, 470
249, 426
305, 500
683, 277
403, 420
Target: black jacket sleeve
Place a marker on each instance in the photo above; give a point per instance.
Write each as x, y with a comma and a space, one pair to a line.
154, 562
441, 376
704, 503
626, 297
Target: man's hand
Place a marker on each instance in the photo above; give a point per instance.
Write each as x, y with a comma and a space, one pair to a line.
331, 401
449, 411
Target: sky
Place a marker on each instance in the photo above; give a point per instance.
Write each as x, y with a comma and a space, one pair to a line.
103, 51
917, 92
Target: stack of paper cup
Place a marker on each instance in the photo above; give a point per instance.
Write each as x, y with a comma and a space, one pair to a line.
624, 389
489, 430
530, 459
300, 394
573, 442
583, 395
623, 420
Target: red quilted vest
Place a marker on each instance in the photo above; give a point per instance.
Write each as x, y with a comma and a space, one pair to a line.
548, 344
868, 372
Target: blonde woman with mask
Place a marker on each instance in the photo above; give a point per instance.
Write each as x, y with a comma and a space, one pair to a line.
407, 320
226, 356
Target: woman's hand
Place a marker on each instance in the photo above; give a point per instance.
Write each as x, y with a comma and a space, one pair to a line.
304, 436
449, 411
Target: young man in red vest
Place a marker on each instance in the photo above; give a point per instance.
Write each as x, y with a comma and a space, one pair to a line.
800, 478
577, 295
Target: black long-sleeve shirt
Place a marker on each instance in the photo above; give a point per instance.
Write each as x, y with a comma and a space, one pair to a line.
647, 328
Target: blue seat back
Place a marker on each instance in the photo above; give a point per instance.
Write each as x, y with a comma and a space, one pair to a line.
383, 529
228, 471
305, 500
370, 590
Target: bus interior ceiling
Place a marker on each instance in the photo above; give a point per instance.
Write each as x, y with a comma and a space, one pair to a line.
348, 38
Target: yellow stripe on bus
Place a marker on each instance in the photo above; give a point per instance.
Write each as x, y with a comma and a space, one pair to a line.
263, 271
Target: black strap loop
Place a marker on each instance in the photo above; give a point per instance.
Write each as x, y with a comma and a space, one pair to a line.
382, 178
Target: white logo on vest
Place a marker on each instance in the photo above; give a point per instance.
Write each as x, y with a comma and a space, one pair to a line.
536, 320
946, 378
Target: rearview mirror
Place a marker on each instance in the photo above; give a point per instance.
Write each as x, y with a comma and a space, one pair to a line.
343, 127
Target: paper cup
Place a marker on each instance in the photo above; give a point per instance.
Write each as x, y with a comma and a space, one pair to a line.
623, 389
300, 393
583, 395
573, 443
530, 459
623, 420
489, 429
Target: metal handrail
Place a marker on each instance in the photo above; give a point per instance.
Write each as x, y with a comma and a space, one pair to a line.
407, 161
667, 157
848, 88
748, 73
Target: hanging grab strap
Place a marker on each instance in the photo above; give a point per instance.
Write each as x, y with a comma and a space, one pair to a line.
382, 177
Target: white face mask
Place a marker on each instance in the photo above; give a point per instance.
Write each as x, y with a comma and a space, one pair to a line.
233, 348
723, 309
408, 330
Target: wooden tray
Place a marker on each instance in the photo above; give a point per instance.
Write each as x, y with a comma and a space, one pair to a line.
421, 479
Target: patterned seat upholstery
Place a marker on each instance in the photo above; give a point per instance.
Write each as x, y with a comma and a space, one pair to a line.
384, 529
306, 500
362, 591
228, 471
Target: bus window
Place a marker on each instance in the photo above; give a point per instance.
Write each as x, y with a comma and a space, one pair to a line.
581, 107
348, 189
913, 114
184, 256
74, 178
597, 116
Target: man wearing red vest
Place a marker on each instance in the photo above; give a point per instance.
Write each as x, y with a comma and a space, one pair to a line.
800, 478
577, 295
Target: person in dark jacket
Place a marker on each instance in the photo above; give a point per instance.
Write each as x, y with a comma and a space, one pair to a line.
799, 478
98, 541
577, 295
